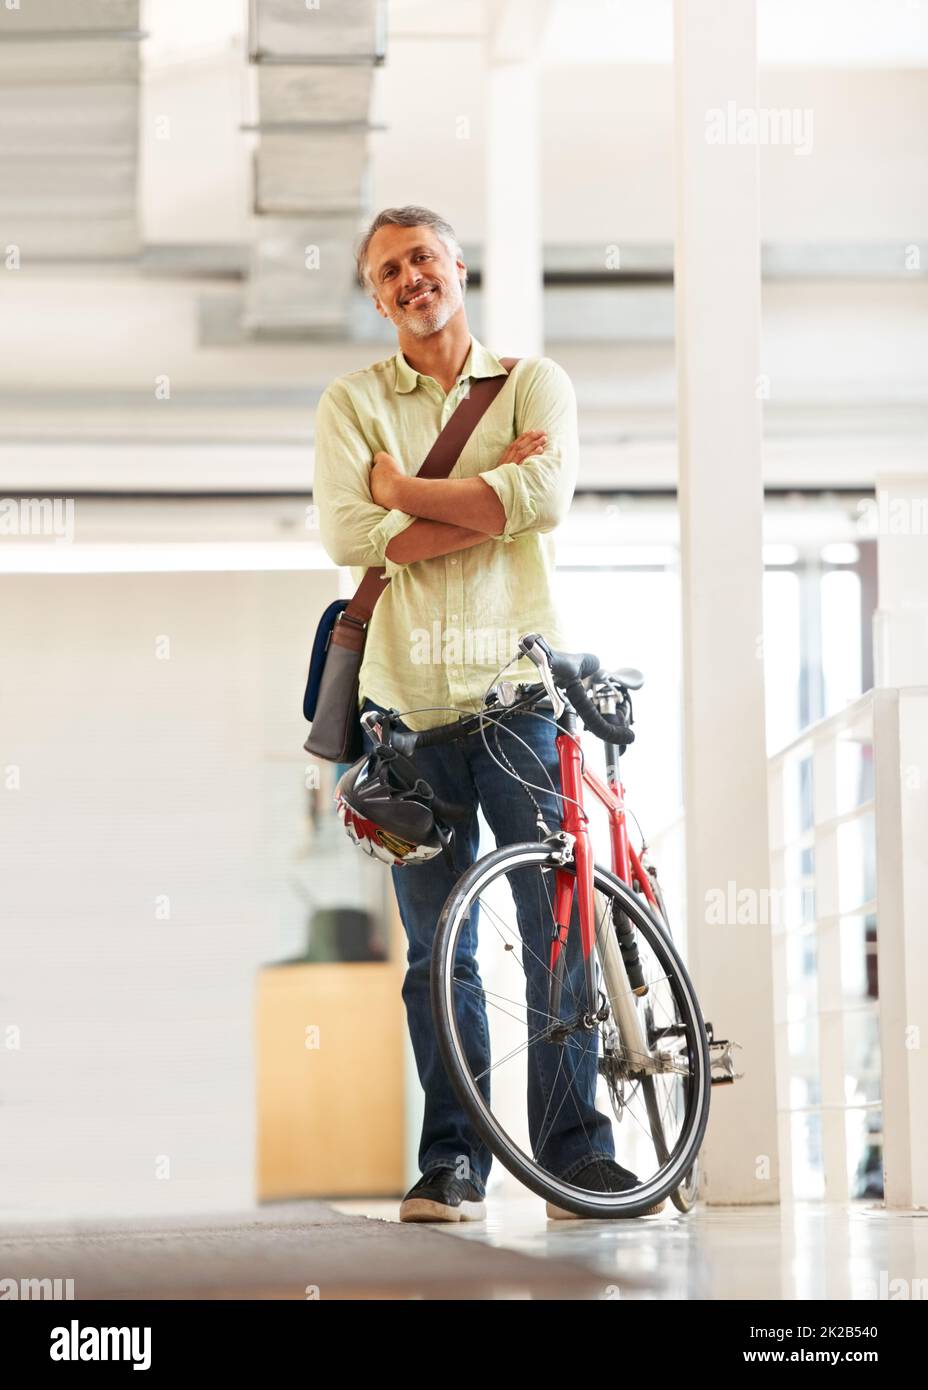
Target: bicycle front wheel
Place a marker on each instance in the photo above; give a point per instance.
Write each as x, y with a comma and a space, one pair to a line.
556, 1086
683, 1197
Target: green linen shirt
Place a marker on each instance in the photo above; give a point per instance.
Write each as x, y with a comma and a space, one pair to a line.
443, 627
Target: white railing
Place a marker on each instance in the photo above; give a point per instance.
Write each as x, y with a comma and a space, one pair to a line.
849, 850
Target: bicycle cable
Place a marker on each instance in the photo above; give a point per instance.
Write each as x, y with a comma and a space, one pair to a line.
560, 795
485, 718
539, 818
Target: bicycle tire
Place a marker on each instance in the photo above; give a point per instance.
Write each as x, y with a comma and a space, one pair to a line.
686, 1195
543, 1184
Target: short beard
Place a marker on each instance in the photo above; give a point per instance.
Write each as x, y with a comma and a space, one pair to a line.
423, 325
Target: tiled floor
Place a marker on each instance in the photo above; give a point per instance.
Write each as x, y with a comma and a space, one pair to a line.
801, 1251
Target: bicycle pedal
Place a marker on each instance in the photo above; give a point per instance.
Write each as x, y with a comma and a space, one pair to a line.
722, 1061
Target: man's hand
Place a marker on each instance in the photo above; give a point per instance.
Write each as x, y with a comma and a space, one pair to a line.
468, 502
385, 470
384, 474
531, 442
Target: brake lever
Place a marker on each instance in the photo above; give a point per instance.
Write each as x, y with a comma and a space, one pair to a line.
378, 725
529, 647
370, 722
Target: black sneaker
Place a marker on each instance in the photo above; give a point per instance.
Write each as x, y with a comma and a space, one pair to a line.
442, 1196
601, 1175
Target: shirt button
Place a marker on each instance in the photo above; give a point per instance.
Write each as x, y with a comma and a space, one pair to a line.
453, 560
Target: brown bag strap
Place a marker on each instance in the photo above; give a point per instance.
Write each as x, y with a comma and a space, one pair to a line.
439, 462
446, 450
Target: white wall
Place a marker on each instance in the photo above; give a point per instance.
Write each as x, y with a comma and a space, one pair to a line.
140, 778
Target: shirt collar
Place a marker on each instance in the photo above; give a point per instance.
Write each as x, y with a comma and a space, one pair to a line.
480, 362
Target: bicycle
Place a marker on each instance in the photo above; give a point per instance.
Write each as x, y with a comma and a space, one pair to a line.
616, 989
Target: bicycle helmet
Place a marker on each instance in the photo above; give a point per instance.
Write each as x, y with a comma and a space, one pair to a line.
387, 809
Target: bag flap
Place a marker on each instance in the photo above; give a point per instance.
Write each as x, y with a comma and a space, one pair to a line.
318, 655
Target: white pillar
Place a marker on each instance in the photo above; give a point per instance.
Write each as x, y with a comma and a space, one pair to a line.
900, 740
512, 284
717, 277
898, 518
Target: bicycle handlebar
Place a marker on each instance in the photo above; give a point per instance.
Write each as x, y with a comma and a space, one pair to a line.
611, 728
444, 733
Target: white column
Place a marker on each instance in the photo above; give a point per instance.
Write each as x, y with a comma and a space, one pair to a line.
898, 518
900, 719
717, 276
512, 285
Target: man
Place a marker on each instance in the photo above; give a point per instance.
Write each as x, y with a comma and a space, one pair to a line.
470, 560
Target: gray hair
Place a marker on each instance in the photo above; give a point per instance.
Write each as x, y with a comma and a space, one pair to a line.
410, 216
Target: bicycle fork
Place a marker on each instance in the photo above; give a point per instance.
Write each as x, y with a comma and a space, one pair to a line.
620, 993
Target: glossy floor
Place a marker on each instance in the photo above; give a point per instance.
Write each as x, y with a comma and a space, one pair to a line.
798, 1251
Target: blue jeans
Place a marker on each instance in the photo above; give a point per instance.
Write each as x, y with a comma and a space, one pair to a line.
565, 1128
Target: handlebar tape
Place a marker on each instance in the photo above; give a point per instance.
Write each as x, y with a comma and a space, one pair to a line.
613, 728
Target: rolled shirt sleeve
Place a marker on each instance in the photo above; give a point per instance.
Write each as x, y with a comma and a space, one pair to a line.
536, 494
391, 524
355, 531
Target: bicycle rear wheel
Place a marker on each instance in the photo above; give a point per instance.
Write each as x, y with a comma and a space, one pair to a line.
581, 1074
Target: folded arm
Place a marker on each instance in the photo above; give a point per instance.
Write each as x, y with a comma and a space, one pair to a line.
529, 489
356, 530
466, 501
425, 539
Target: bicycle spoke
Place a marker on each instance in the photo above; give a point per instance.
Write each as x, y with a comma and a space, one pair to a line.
484, 992
514, 1053
543, 963
569, 1092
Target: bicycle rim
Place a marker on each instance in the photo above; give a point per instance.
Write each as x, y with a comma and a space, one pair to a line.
582, 1084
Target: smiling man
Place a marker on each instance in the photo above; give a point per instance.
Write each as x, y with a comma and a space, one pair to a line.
470, 560
485, 528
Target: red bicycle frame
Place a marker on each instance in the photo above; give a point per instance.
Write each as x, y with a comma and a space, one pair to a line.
626, 864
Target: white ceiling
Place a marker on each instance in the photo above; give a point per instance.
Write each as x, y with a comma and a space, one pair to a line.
824, 33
